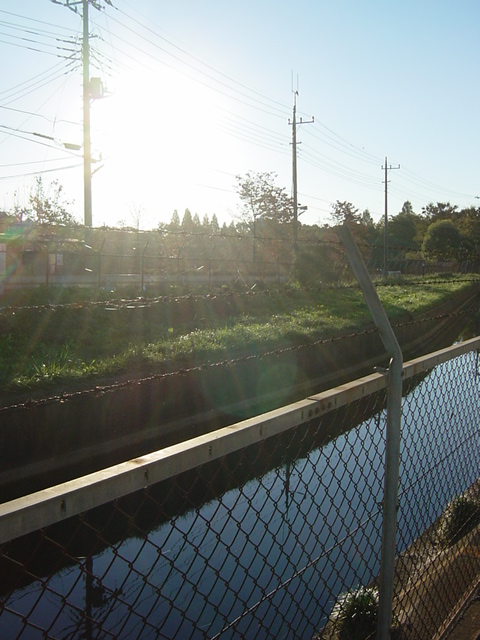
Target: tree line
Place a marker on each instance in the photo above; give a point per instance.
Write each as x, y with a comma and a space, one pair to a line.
261, 238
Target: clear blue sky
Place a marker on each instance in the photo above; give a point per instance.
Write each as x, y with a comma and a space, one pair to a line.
202, 91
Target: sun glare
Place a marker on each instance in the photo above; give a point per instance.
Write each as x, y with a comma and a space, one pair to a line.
156, 134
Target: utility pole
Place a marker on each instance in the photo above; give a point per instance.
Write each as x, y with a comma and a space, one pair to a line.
87, 149
87, 96
386, 168
294, 124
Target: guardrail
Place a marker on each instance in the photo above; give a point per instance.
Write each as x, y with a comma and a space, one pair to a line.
271, 527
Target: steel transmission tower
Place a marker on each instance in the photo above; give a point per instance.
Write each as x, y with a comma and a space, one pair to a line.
87, 96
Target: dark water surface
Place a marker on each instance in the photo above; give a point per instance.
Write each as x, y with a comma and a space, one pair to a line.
266, 558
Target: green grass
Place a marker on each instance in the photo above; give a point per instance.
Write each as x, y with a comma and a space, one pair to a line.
44, 347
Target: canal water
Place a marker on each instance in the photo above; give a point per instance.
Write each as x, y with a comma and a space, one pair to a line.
266, 558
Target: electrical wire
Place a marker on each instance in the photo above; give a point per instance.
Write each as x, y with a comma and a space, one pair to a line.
179, 59
255, 103
35, 20
201, 62
21, 164
16, 133
38, 84
41, 171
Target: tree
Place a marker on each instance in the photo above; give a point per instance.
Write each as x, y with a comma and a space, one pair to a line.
175, 221
47, 206
137, 215
187, 220
214, 224
267, 212
442, 240
319, 259
367, 219
262, 199
403, 232
440, 211
469, 223
345, 213
407, 208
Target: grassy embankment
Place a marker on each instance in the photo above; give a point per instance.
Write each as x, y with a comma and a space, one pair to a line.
76, 341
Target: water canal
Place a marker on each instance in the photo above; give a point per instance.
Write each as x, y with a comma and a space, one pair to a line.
263, 558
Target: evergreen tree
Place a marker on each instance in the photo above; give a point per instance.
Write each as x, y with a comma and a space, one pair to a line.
407, 208
196, 220
214, 224
175, 221
345, 213
440, 211
367, 219
187, 220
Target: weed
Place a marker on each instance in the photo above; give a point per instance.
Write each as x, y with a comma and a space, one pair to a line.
355, 614
460, 517
41, 344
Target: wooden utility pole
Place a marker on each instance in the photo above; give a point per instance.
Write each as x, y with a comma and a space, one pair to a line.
385, 236
294, 124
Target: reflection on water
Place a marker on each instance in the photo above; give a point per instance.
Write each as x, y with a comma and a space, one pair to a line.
266, 556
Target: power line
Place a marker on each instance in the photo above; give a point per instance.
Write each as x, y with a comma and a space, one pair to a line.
16, 134
37, 84
257, 104
35, 20
28, 162
207, 65
40, 171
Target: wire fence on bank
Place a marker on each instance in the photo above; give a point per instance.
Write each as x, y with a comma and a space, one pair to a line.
269, 528
148, 261
227, 364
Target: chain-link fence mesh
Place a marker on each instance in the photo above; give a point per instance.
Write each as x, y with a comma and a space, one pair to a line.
280, 539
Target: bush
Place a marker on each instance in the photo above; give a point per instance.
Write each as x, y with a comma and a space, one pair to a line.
461, 516
356, 614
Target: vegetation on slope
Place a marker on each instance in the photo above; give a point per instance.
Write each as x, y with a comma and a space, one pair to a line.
51, 338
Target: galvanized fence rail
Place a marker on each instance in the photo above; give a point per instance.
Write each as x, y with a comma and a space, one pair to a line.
268, 528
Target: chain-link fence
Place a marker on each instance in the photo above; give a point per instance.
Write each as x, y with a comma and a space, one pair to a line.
150, 261
270, 528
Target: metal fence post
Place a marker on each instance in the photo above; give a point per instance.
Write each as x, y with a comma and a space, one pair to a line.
392, 450
143, 267
100, 264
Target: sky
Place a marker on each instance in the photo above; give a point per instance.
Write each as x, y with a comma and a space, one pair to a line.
199, 92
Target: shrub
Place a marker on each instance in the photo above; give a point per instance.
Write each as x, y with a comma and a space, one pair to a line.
356, 614
460, 517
